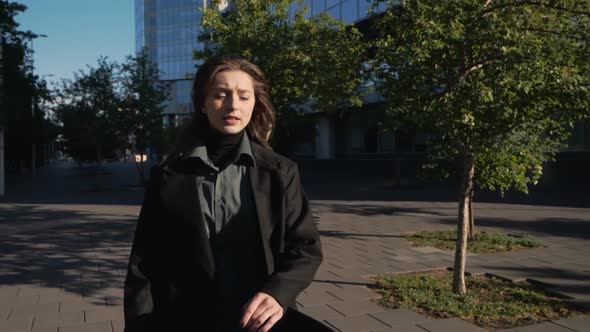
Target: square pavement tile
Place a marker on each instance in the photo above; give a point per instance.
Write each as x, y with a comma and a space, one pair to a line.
5, 310
29, 309
578, 323
544, 327
28, 290
360, 323
88, 327
8, 291
448, 325
61, 297
51, 320
320, 287
399, 317
316, 298
107, 313
24, 300
404, 328
321, 312
79, 304
352, 293
427, 250
118, 325
15, 323
351, 308
45, 329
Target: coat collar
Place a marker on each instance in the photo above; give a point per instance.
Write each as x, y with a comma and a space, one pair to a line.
180, 194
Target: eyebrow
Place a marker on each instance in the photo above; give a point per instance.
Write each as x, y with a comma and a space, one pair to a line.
225, 88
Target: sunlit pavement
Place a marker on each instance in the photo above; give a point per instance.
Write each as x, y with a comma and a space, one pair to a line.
65, 244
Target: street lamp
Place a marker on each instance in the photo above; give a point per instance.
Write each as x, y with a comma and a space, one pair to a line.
33, 154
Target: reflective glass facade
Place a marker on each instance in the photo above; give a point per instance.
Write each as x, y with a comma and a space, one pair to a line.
169, 30
348, 11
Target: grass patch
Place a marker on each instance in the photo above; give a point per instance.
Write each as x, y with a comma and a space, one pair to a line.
484, 242
489, 302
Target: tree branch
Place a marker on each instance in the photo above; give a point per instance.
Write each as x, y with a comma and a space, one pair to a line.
557, 33
487, 11
452, 85
474, 68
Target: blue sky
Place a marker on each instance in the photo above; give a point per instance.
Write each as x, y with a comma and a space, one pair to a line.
78, 32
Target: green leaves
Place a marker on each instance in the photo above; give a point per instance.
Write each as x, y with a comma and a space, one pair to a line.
144, 99
311, 63
304, 58
503, 81
106, 104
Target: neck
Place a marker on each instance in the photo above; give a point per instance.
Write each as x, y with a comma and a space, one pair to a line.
221, 147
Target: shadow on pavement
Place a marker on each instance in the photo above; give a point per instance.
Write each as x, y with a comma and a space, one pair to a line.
574, 228
81, 252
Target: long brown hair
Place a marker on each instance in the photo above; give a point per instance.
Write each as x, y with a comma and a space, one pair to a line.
260, 126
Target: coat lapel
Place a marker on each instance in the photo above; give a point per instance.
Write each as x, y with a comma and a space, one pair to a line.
261, 188
180, 195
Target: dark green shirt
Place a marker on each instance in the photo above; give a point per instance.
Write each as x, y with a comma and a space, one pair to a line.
228, 207
222, 191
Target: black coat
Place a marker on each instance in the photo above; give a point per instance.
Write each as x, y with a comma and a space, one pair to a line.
171, 266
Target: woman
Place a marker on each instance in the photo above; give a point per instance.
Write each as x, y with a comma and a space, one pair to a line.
225, 239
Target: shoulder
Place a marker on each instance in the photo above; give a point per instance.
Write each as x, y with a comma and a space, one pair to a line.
268, 159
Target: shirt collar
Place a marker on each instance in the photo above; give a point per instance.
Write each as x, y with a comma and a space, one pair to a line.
244, 153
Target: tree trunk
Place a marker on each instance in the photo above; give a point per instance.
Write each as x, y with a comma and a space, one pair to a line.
471, 218
463, 224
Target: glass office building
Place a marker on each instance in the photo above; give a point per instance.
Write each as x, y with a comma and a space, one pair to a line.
348, 11
169, 31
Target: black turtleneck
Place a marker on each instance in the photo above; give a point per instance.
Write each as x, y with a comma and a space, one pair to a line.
222, 148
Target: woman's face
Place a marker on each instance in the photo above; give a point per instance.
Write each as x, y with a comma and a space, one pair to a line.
230, 101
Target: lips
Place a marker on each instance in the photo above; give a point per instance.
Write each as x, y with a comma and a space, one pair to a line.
231, 120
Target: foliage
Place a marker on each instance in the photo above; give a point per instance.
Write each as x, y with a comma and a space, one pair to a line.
8, 25
499, 83
87, 108
141, 114
309, 62
21, 93
503, 81
490, 302
76, 140
484, 242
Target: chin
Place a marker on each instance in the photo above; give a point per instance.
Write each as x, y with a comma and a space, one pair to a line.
230, 130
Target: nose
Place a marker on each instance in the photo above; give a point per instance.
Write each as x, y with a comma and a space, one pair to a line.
234, 102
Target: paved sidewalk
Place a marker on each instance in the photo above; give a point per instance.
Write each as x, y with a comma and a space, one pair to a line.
64, 248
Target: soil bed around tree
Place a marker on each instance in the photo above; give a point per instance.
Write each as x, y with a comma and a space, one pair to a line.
484, 242
490, 302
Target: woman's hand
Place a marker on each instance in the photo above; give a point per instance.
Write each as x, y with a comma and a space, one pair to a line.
261, 313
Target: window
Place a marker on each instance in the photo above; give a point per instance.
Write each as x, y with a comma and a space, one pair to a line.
335, 12
350, 11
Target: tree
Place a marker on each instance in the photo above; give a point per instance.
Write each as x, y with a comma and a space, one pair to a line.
141, 116
20, 91
500, 83
87, 108
309, 62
